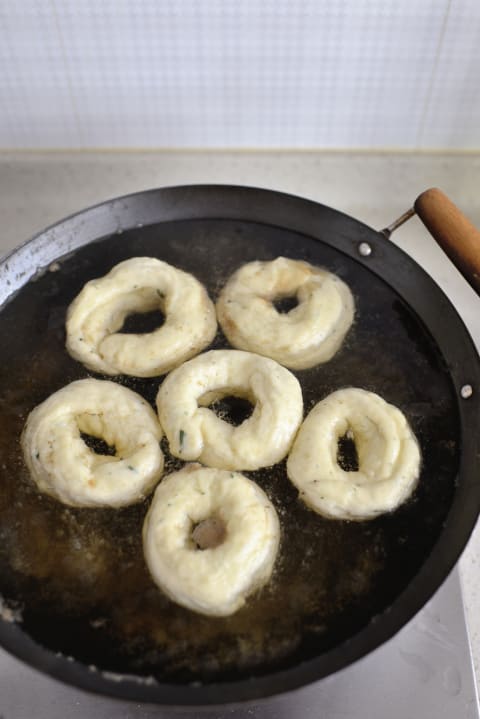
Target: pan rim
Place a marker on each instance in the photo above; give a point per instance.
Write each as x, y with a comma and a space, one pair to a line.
305, 216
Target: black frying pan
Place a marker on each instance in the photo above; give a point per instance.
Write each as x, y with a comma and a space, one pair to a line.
90, 612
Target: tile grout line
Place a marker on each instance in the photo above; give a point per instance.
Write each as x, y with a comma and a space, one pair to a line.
429, 93
67, 73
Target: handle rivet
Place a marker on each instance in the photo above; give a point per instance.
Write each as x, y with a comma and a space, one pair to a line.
466, 391
364, 249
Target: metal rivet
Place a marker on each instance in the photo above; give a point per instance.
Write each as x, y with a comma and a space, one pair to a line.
466, 391
364, 249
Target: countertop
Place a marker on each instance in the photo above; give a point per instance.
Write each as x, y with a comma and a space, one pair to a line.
37, 189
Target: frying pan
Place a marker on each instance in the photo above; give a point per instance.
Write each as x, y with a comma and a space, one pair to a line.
88, 613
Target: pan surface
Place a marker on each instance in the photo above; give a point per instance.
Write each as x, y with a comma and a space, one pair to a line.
339, 588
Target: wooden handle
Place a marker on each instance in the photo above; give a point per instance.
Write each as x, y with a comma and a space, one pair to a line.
456, 235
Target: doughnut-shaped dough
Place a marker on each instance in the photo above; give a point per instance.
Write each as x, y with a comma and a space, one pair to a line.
388, 456
141, 284
217, 579
309, 334
196, 433
63, 466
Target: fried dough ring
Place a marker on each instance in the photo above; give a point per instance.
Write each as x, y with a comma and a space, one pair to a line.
309, 334
196, 433
141, 284
388, 456
216, 579
62, 465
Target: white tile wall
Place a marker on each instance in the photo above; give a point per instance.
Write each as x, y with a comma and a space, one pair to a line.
452, 118
240, 73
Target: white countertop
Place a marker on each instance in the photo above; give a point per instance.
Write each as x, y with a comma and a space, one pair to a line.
37, 189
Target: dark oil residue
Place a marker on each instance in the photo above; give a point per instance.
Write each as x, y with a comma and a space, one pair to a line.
79, 573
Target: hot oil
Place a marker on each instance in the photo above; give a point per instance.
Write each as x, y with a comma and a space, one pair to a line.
79, 574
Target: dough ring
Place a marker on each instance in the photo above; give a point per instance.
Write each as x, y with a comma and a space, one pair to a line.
388, 456
62, 465
309, 334
141, 284
196, 433
210, 539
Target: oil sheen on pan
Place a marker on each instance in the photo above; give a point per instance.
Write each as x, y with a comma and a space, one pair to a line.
79, 574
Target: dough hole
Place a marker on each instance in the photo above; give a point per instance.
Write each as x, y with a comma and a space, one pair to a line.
347, 455
209, 533
141, 323
234, 410
284, 305
98, 445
